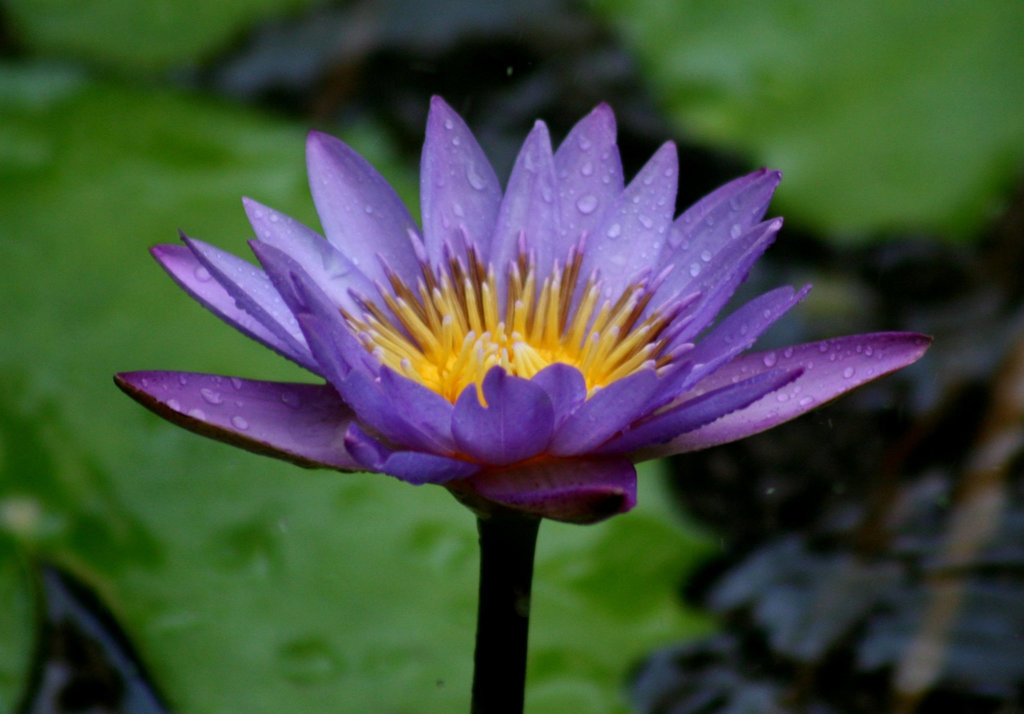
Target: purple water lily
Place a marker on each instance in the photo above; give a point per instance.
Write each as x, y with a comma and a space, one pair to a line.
523, 348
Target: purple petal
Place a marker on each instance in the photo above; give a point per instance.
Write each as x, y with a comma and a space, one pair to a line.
324, 263
607, 412
195, 279
529, 208
717, 280
700, 410
458, 188
410, 466
723, 215
565, 387
830, 368
589, 174
570, 490
361, 214
301, 423
741, 329
365, 393
515, 425
633, 232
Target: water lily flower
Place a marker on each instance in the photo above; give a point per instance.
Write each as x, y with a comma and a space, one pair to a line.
523, 348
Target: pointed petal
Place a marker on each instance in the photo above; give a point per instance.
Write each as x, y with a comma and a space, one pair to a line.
196, 280
723, 215
589, 172
361, 214
737, 332
413, 467
458, 187
607, 412
570, 490
301, 423
515, 425
633, 232
529, 208
717, 280
565, 387
325, 264
830, 368
700, 410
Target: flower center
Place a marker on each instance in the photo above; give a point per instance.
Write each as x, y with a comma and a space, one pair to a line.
450, 330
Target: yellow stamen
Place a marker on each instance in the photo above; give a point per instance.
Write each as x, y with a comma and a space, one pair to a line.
449, 329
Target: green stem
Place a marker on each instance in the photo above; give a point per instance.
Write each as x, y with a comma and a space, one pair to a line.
507, 542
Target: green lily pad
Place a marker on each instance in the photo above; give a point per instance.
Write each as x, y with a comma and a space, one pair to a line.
131, 35
245, 583
883, 116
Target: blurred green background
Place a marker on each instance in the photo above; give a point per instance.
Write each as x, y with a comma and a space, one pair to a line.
250, 585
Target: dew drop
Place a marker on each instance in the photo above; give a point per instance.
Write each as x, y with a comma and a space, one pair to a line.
456, 141
646, 222
709, 221
211, 396
736, 231
614, 231
694, 269
202, 274
449, 124
806, 401
236, 382
458, 210
823, 347
174, 404
240, 423
587, 168
197, 413
368, 209
585, 143
848, 372
274, 218
788, 352
869, 350
183, 380
769, 359
587, 204
705, 255
782, 397
648, 179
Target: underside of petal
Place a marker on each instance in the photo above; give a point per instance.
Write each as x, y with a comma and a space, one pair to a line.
830, 369
569, 490
301, 423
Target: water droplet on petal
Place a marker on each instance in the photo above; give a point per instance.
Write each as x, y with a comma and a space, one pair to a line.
587, 168
456, 141
694, 269
202, 274
585, 143
782, 397
736, 231
239, 423
211, 396
848, 372
449, 124
474, 178
806, 401
183, 380
705, 255
587, 204
174, 404
368, 208
274, 218
197, 413
869, 350
646, 222
236, 382
614, 231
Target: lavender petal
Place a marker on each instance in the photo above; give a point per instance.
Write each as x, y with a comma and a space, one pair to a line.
301, 423
515, 425
830, 368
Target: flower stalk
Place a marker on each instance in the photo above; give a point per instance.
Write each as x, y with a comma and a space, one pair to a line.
507, 543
